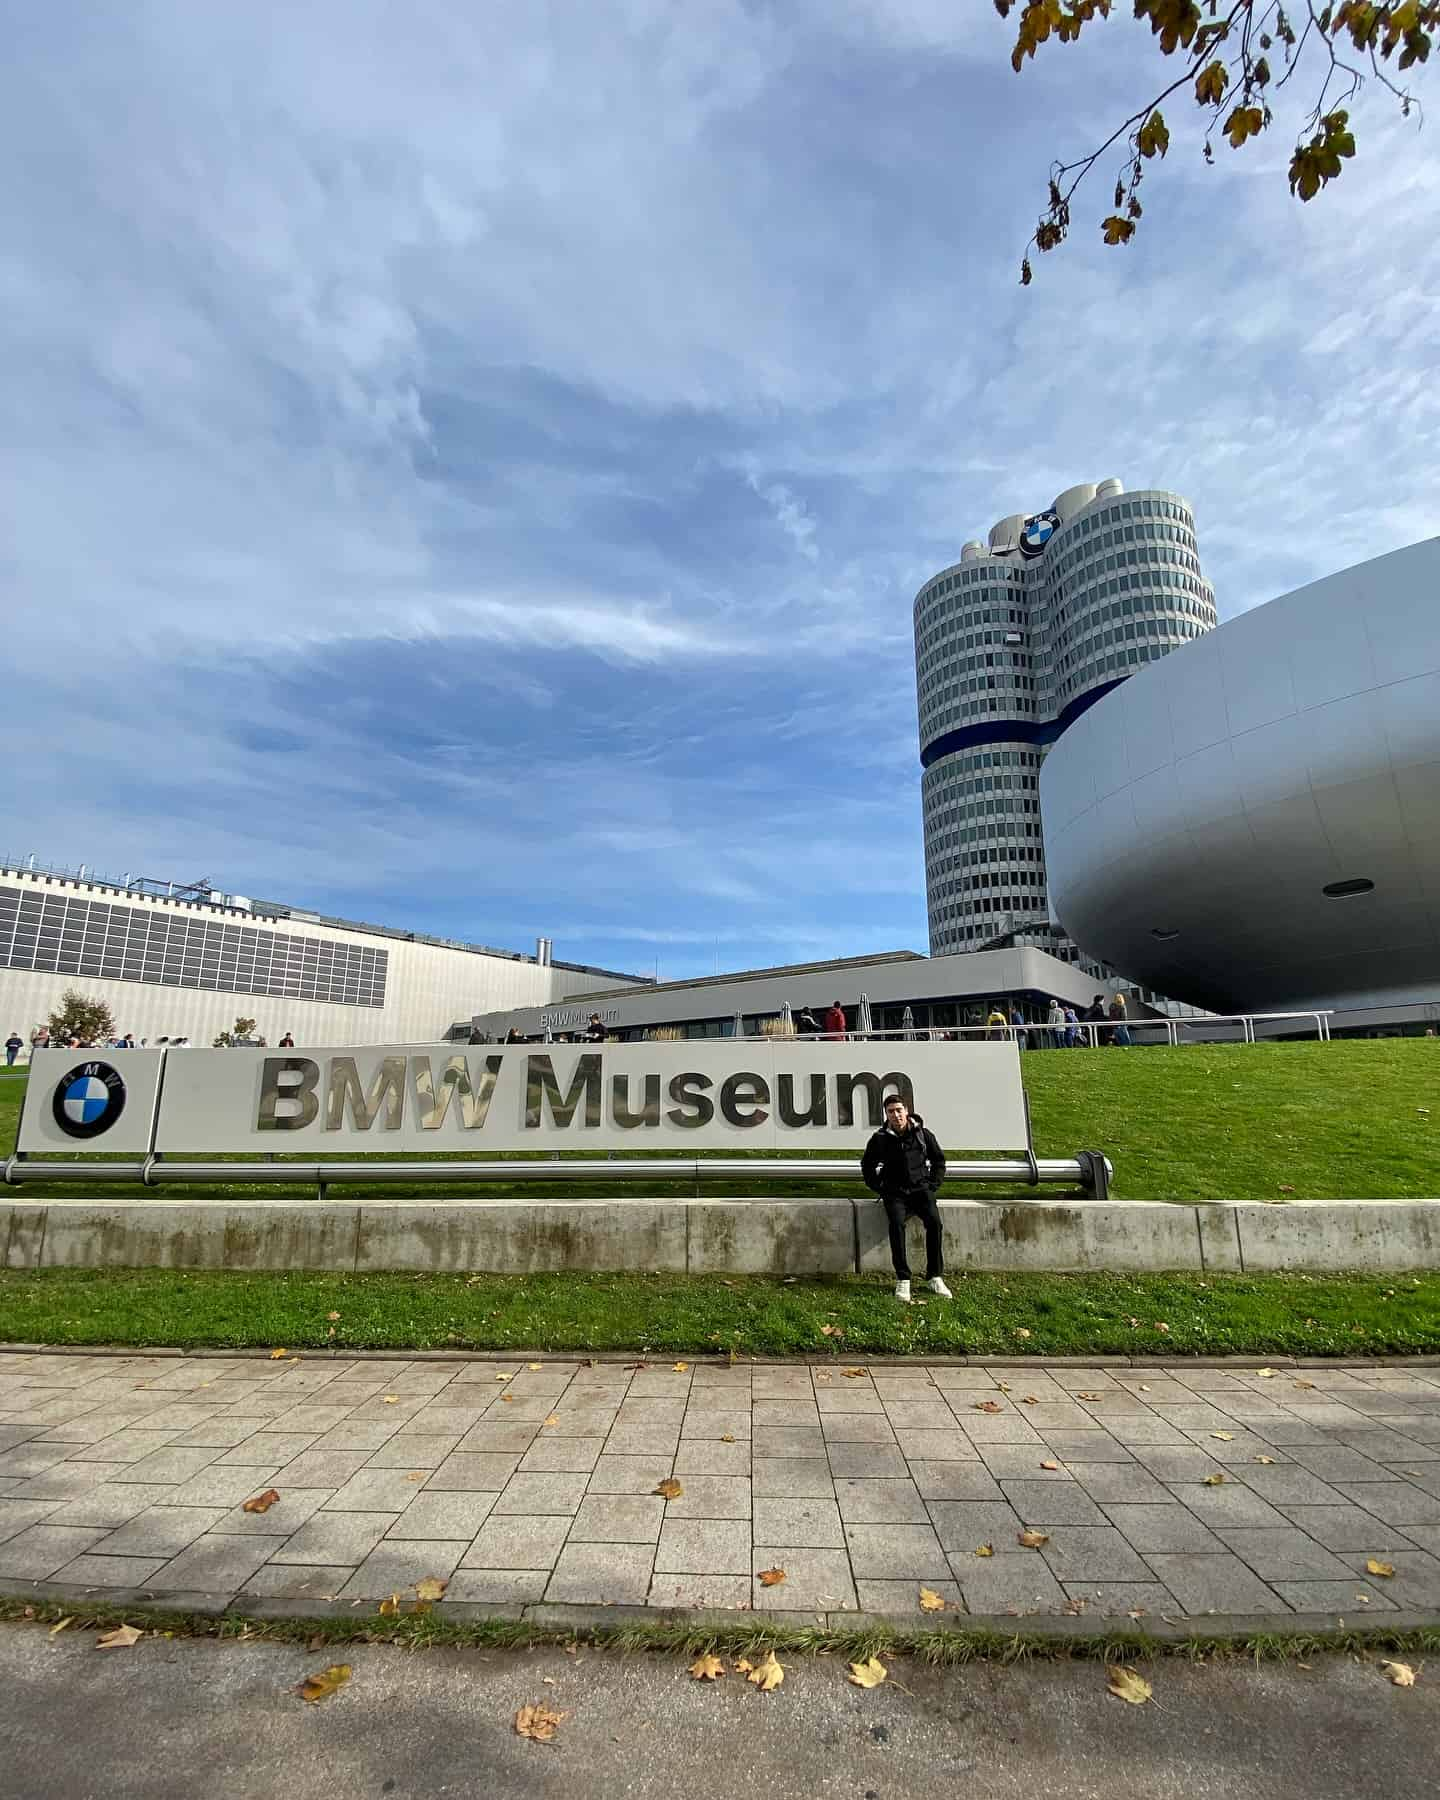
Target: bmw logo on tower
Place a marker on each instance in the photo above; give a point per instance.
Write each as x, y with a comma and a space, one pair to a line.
88, 1100
1037, 532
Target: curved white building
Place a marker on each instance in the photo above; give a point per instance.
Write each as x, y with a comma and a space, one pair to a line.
1255, 821
1012, 644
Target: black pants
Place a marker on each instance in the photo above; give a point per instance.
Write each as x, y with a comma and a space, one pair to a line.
918, 1204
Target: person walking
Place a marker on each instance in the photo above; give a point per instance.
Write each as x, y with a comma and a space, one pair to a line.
834, 1022
1095, 1015
904, 1164
995, 1026
1120, 1036
1017, 1025
1055, 1020
1072, 1028
14, 1044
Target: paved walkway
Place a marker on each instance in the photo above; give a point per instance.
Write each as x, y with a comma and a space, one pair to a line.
521, 1484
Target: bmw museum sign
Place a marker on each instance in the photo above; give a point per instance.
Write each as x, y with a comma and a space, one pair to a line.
784, 1094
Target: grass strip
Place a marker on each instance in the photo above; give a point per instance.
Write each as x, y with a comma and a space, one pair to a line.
845, 1317
932, 1646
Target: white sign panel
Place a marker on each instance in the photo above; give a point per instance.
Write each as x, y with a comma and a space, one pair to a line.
90, 1101
782, 1095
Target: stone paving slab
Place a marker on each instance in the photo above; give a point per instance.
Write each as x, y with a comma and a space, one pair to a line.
1176, 1494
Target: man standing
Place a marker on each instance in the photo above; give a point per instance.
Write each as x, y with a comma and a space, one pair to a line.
14, 1044
904, 1164
834, 1022
594, 1032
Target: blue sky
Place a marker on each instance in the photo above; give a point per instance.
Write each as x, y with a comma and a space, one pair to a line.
470, 467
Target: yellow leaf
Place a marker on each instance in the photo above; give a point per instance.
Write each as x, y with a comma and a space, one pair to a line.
1265, 1459
392, 1400
533, 1366
1126, 1685
1374, 1567
417, 1474
1050, 1463
742, 1667
332, 1316
728, 1438
930, 1601
1214, 1481
1266, 1374
706, 1668
1021, 1331
1225, 1437
121, 1638
1118, 230
431, 1587
1400, 1673
832, 1331
275, 1355
767, 1674
507, 1398
389, 1606
538, 1722
679, 1368
867, 1674
1031, 1400
262, 1502
504, 1378
554, 1419
323, 1685
771, 1577
853, 1374
69, 1619
669, 1489
1032, 1540
984, 1549
1153, 138
1211, 83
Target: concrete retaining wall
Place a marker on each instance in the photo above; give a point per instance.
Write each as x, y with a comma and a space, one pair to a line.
772, 1237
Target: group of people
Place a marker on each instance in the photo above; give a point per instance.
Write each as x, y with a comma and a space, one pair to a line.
40, 1039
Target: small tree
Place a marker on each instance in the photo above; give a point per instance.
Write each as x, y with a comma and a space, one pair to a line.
77, 1016
239, 1034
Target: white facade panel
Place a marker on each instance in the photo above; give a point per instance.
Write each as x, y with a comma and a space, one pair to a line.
1327, 772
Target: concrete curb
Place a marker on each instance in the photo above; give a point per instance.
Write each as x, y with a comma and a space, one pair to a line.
1048, 1628
711, 1236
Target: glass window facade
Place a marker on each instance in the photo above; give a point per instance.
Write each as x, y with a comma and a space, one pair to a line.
70, 935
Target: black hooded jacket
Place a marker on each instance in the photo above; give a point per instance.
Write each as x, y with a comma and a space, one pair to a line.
905, 1162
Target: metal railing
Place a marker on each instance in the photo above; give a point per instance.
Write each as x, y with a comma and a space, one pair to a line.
1091, 1032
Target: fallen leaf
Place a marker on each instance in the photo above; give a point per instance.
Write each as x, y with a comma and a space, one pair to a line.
332, 1316
930, 1601
1031, 1400
742, 1667
1084, 1395
262, 1502
1401, 1674
534, 1366
1126, 1685
669, 1489
1160, 1325
69, 1619
275, 1355
507, 1398
1021, 1331
504, 1377
867, 1674
1266, 1374
832, 1331
728, 1437
121, 1638
1003, 1386
1050, 1463
554, 1419
1032, 1540
538, 1723
392, 1400
853, 1374
1304, 1384
984, 1549
767, 1674
1214, 1481
706, 1668
990, 1406
417, 1474
1375, 1567
1265, 1459
679, 1368
323, 1685
431, 1587
389, 1606
771, 1577
1225, 1437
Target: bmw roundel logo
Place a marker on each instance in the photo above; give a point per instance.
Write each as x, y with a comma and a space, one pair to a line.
88, 1100
1037, 532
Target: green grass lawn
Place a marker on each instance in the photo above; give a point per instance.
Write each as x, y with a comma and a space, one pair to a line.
1358, 1119
750, 1315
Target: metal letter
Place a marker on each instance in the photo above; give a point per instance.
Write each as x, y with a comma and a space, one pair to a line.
455, 1078
387, 1089
745, 1090
301, 1076
541, 1085
684, 1091
876, 1087
788, 1114
649, 1114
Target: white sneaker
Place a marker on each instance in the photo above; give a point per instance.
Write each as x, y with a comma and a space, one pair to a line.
937, 1286
902, 1291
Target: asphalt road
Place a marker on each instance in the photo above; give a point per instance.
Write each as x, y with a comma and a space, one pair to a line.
171, 1720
